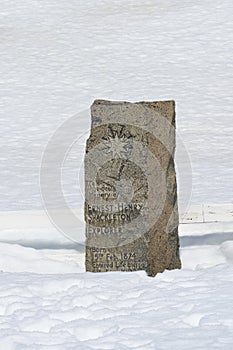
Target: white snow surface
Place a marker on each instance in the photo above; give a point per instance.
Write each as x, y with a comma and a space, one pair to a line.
47, 301
56, 58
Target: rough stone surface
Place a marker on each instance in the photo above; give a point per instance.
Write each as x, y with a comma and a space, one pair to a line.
130, 188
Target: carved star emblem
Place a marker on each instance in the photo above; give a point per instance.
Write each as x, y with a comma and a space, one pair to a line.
118, 146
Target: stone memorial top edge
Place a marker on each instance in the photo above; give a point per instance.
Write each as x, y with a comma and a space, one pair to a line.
157, 117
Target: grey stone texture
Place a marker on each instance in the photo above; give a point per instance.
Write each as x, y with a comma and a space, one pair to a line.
131, 209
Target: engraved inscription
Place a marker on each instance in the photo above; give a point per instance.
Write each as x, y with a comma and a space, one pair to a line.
123, 261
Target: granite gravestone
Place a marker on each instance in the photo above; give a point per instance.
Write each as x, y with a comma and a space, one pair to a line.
130, 188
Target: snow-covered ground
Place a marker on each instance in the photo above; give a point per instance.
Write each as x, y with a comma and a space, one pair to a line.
56, 58
48, 302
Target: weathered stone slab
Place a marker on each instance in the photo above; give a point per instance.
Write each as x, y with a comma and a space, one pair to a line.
130, 188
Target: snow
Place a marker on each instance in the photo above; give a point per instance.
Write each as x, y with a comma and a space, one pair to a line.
180, 309
48, 302
56, 58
